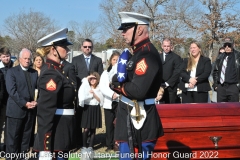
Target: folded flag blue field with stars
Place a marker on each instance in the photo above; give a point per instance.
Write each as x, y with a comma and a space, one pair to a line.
122, 64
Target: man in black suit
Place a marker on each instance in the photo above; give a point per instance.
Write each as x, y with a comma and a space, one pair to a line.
20, 83
84, 64
226, 73
171, 72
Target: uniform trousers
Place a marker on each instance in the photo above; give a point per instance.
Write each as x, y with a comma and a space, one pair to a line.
110, 115
19, 133
147, 149
227, 93
79, 140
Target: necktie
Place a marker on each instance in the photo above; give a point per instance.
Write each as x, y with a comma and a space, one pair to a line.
224, 66
87, 63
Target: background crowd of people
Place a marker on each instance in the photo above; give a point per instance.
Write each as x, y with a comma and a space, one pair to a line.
59, 83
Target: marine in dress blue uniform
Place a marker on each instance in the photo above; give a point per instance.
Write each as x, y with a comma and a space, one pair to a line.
57, 94
144, 76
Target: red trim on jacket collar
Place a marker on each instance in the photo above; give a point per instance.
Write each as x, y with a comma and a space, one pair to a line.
55, 64
141, 44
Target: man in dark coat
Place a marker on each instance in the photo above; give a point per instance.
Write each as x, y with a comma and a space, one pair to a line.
226, 73
21, 82
5, 64
171, 63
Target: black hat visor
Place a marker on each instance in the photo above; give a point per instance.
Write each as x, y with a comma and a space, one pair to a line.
63, 42
125, 26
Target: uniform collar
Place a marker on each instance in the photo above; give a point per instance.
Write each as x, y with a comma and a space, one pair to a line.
55, 64
142, 43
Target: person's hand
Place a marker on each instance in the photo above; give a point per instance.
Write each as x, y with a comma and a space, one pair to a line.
30, 105
115, 85
160, 94
34, 104
193, 80
190, 85
91, 91
115, 96
90, 76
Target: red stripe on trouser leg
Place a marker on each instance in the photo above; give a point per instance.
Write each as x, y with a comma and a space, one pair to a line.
135, 150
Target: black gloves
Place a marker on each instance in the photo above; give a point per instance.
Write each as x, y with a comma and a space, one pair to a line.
116, 86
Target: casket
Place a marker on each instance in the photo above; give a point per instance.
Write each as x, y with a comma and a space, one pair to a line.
199, 131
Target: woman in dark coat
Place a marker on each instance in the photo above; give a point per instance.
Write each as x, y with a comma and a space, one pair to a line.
194, 76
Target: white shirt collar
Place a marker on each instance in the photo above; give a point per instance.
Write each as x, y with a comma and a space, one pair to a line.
87, 56
23, 68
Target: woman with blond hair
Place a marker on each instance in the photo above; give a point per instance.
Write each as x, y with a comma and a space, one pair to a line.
57, 93
194, 76
37, 63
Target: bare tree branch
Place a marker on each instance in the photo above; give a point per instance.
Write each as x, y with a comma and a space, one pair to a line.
26, 28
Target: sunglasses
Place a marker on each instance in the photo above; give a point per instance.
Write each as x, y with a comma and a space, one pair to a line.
227, 44
87, 47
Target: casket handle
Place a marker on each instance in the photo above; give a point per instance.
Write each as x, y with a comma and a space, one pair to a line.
215, 140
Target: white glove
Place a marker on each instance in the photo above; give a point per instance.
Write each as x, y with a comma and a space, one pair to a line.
45, 155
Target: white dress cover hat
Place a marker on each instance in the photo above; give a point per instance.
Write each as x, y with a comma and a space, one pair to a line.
58, 38
129, 19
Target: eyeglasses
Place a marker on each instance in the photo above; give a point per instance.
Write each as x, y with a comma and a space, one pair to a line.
87, 47
227, 44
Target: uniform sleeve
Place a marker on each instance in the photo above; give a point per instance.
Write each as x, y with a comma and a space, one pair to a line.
75, 66
72, 74
50, 84
145, 72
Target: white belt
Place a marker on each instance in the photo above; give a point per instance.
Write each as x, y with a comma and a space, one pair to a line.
149, 101
64, 112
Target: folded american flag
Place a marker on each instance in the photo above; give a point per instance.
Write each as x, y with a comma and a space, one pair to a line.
121, 67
